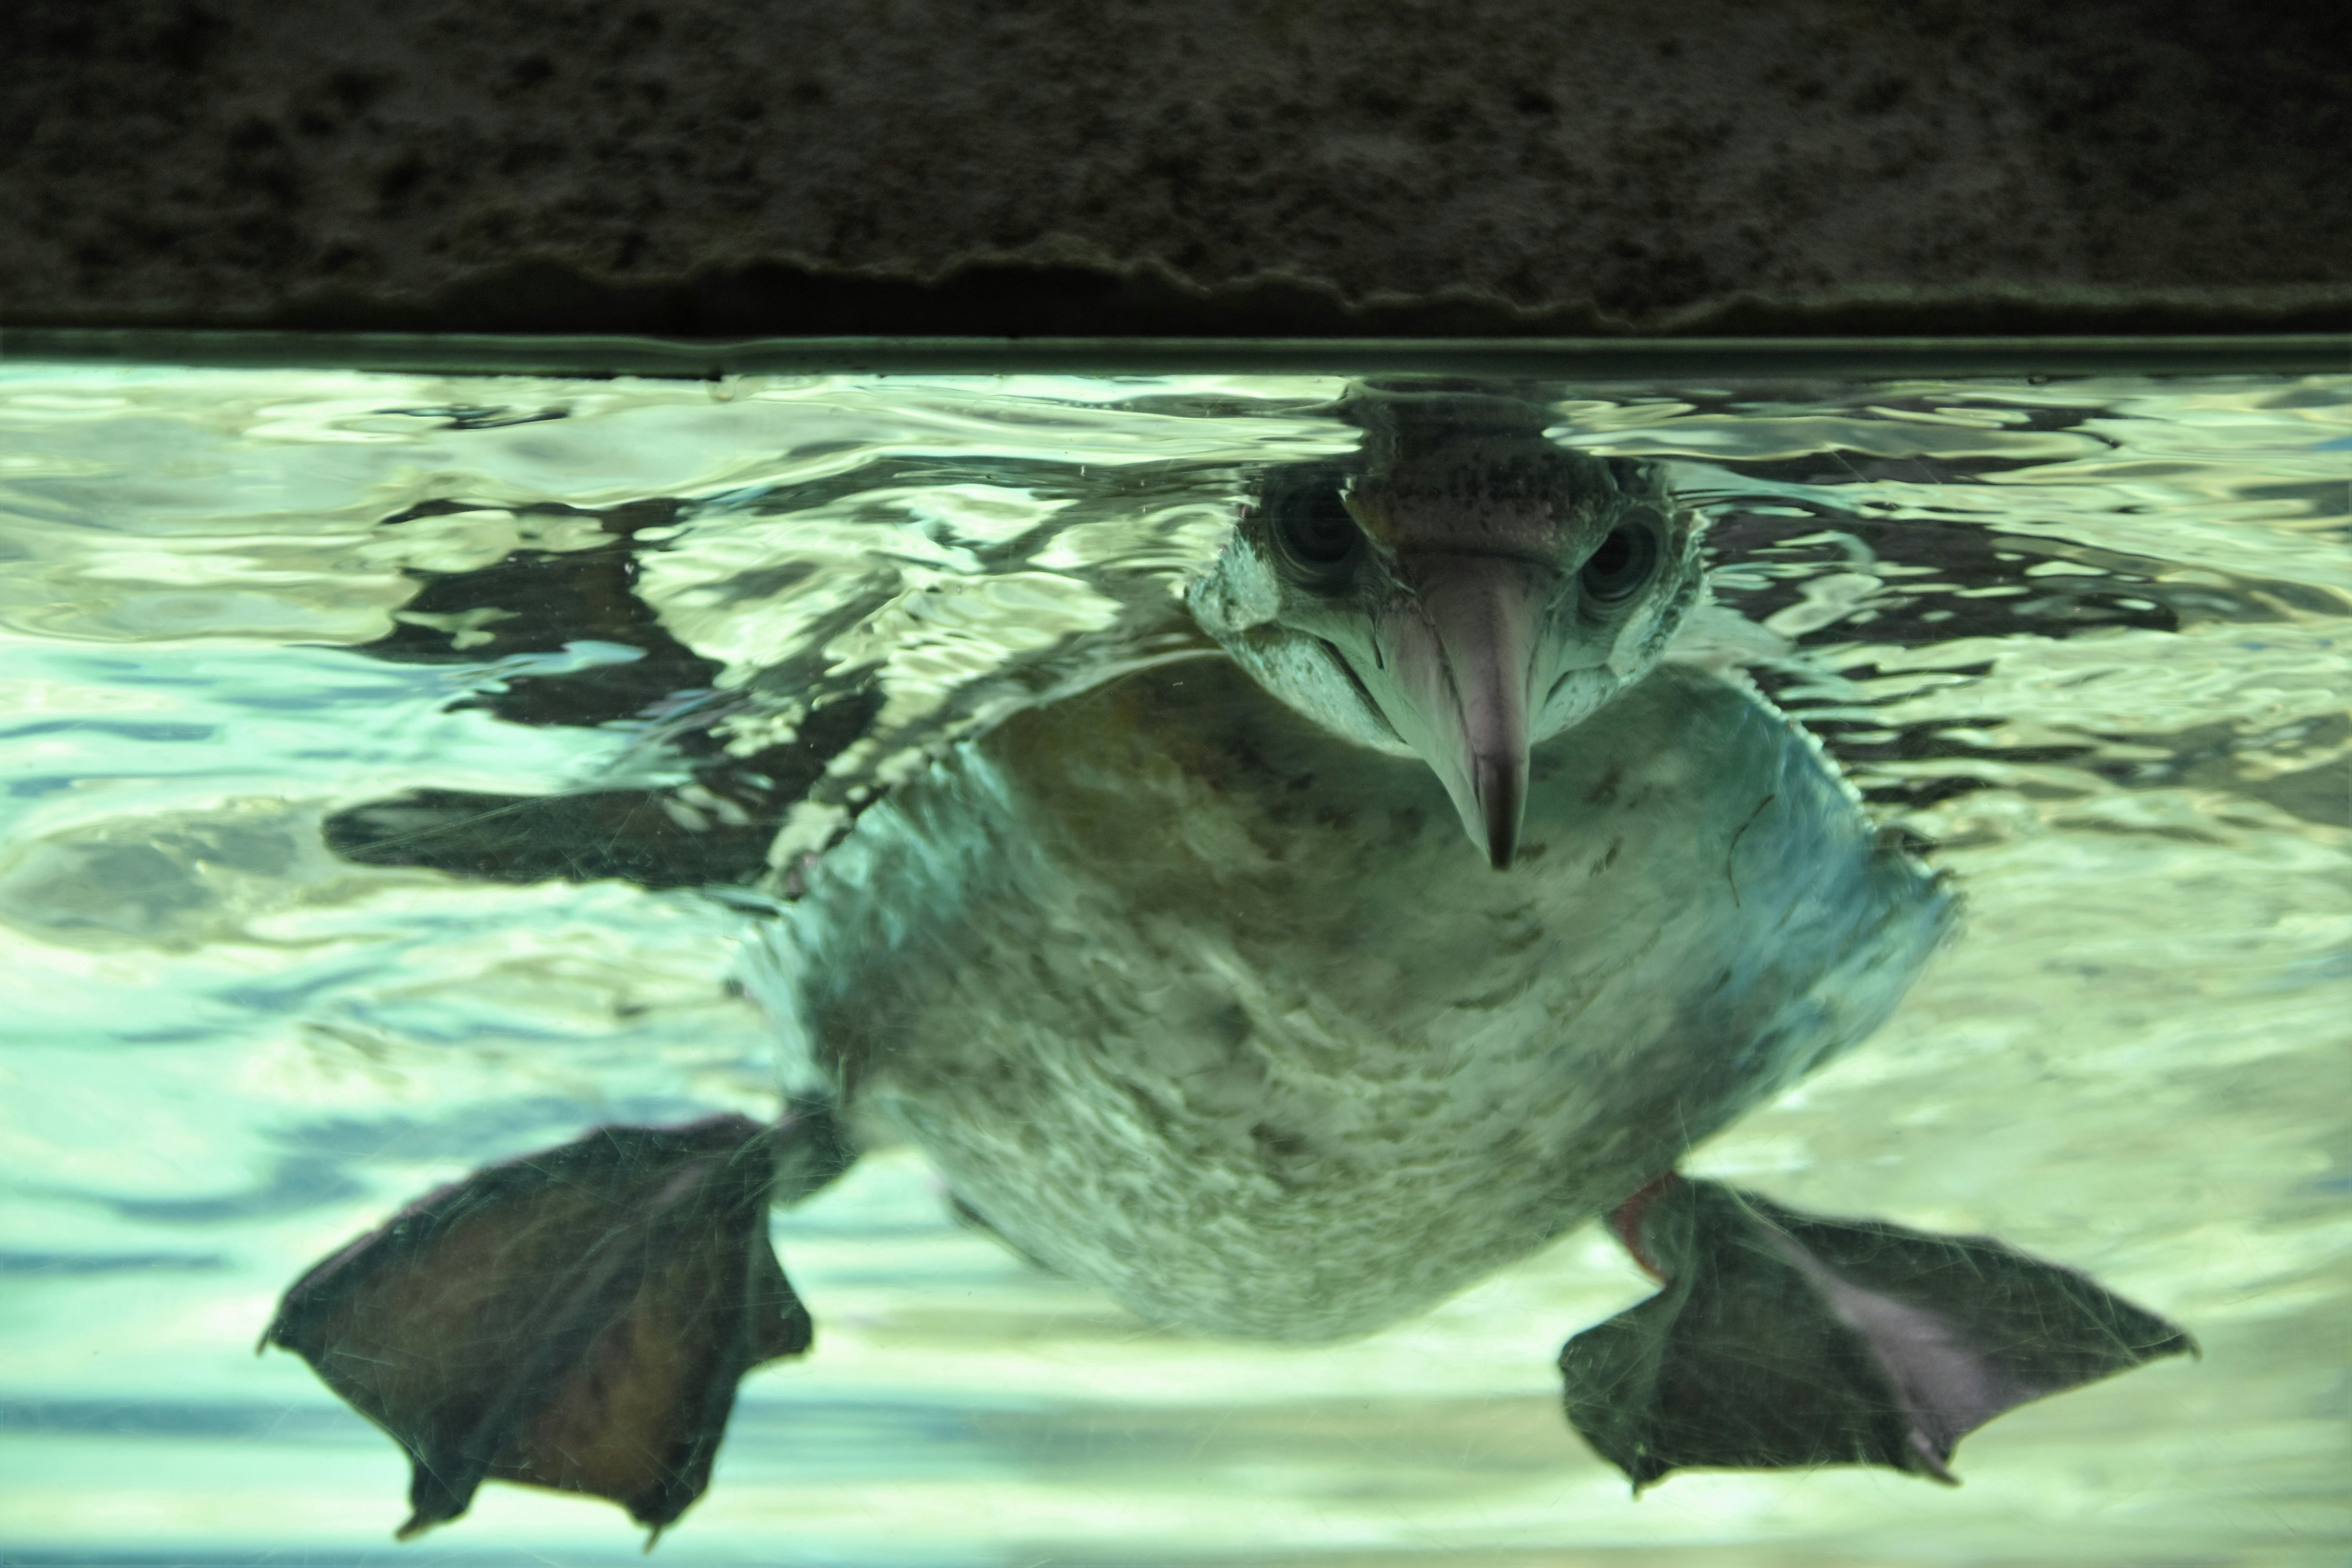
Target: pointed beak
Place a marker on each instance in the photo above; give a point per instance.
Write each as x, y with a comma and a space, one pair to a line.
1461, 652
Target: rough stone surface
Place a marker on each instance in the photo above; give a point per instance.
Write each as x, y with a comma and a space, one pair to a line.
1214, 165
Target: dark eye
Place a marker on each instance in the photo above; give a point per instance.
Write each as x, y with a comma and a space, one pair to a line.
1623, 563
1318, 538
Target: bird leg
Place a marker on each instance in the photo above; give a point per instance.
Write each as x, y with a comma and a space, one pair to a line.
1781, 1339
575, 1319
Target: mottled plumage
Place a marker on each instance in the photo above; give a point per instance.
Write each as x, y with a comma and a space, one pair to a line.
1199, 1002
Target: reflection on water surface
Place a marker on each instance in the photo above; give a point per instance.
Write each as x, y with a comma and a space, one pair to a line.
299, 660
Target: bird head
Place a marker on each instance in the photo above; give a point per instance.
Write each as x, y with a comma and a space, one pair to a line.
1460, 590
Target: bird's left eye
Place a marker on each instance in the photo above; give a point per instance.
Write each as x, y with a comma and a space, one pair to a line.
1318, 537
1617, 570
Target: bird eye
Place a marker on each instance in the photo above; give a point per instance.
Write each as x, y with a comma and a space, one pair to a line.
1622, 563
1318, 538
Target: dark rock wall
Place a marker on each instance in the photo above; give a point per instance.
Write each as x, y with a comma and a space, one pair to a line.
1176, 166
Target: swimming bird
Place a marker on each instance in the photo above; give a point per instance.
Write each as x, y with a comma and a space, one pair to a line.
1189, 985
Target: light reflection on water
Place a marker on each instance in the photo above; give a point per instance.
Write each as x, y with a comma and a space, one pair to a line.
2091, 637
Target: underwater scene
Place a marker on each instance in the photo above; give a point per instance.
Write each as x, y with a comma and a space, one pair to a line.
1263, 968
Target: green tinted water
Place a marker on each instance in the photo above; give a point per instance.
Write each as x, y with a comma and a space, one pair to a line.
2091, 637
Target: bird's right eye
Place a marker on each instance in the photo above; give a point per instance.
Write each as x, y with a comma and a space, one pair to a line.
1317, 537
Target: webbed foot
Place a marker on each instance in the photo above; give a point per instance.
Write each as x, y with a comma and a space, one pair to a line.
576, 1319
1783, 1340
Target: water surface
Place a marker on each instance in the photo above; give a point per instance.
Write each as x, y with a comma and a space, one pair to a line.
2091, 638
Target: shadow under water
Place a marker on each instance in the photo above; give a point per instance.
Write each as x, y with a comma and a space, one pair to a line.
1236, 872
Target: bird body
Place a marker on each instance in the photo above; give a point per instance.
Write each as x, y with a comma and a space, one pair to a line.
1197, 1000
1188, 985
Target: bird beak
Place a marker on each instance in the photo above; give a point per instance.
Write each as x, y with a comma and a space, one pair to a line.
1460, 649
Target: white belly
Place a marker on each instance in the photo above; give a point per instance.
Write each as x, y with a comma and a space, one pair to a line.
1228, 1017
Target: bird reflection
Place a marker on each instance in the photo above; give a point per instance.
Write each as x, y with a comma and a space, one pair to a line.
1189, 985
